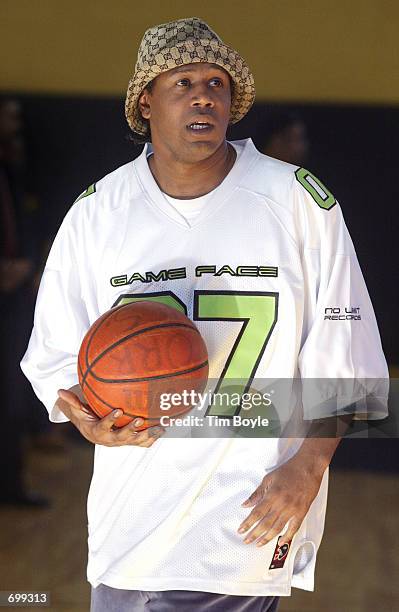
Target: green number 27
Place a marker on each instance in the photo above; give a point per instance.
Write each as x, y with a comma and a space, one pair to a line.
258, 313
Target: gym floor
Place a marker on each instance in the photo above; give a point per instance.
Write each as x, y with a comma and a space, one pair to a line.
357, 567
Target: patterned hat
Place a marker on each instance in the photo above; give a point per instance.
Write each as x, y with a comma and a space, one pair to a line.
186, 41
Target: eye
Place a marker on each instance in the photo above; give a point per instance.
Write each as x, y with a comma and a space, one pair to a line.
183, 82
216, 82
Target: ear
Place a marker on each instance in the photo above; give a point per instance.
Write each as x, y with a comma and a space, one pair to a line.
144, 104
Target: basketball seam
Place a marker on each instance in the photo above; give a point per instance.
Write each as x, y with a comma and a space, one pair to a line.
149, 378
132, 335
111, 312
129, 414
89, 367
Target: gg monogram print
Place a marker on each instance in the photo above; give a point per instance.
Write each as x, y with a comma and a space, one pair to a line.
186, 41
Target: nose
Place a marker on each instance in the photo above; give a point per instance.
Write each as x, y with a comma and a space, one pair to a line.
202, 96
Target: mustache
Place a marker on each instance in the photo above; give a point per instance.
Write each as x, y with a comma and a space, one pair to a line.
202, 114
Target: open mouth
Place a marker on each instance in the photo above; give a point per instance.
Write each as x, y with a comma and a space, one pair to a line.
200, 126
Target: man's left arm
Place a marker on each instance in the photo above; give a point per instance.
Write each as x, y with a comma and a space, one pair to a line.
341, 360
286, 494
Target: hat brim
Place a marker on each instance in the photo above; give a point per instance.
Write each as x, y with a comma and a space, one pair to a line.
222, 55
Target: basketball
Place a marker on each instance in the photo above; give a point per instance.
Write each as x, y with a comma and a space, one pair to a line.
136, 352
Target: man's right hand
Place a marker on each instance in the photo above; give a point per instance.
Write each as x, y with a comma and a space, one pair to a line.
101, 431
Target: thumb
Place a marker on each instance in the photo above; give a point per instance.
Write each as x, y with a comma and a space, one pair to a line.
258, 494
254, 498
69, 398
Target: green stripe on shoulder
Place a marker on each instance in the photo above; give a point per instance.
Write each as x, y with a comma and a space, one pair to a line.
315, 188
86, 193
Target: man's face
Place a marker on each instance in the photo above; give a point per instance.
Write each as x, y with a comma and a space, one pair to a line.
189, 109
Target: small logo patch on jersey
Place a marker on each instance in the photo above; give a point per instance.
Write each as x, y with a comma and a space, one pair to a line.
280, 555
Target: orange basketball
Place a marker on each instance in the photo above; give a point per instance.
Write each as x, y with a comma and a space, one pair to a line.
134, 353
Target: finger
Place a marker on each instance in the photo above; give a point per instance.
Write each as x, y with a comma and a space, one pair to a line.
254, 498
266, 530
264, 525
293, 527
87, 410
152, 433
70, 398
258, 513
272, 533
258, 494
125, 432
106, 423
76, 403
147, 437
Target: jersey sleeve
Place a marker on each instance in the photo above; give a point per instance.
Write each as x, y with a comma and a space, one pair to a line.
61, 318
341, 361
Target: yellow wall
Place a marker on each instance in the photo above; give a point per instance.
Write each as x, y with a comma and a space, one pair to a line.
315, 50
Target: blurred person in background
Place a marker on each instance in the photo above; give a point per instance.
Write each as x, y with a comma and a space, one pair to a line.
19, 256
286, 137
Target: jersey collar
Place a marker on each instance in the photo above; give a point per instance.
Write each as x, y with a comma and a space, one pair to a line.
246, 154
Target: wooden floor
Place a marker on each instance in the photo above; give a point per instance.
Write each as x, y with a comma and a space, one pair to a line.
358, 564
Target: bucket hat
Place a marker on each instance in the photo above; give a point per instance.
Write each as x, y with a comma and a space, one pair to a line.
186, 41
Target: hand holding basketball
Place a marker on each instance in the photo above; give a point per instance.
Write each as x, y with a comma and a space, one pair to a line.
136, 352
102, 431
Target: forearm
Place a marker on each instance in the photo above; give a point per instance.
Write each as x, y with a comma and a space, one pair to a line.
323, 439
317, 453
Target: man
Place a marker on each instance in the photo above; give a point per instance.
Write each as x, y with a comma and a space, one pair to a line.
285, 137
256, 249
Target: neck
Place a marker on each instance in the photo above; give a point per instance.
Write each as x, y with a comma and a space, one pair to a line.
186, 180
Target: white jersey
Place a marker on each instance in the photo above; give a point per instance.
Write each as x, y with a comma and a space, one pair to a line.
167, 517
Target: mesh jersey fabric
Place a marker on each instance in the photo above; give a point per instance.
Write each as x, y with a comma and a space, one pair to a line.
189, 208
167, 517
